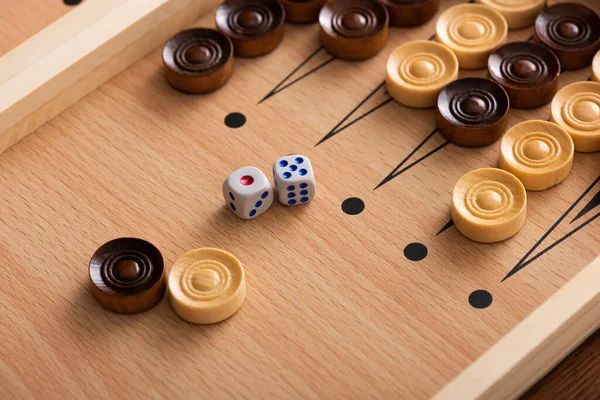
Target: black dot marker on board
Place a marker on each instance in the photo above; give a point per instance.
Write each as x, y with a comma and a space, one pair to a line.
415, 251
71, 2
353, 206
235, 120
480, 299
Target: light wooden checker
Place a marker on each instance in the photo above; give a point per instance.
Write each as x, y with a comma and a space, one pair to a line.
333, 308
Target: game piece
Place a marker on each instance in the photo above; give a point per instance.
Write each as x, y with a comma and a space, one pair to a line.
294, 180
198, 60
539, 153
519, 13
254, 26
489, 205
596, 67
247, 192
353, 29
472, 112
417, 71
206, 285
410, 12
576, 108
472, 32
571, 31
527, 71
302, 11
127, 275
70, 58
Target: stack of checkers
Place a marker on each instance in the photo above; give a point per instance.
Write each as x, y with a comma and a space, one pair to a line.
200, 60
473, 36
489, 205
470, 111
205, 285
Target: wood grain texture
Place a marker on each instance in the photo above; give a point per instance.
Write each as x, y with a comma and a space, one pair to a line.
571, 31
419, 91
575, 378
207, 285
302, 11
411, 12
593, 4
539, 153
489, 205
518, 14
198, 60
127, 275
575, 108
354, 29
76, 54
333, 308
458, 28
546, 336
527, 71
255, 27
472, 112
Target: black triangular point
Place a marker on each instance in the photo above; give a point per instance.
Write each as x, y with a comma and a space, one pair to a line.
346, 122
448, 225
519, 267
594, 202
288, 81
528, 258
400, 168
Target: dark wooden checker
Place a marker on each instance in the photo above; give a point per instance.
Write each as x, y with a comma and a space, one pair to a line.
367, 290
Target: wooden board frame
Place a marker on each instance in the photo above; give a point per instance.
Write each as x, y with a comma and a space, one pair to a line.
101, 38
79, 52
536, 345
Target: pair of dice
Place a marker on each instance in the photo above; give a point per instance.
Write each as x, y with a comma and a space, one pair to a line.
248, 192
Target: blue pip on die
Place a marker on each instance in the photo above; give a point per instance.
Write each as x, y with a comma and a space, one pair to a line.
294, 180
248, 192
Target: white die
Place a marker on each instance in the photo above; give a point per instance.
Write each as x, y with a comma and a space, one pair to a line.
248, 192
294, 180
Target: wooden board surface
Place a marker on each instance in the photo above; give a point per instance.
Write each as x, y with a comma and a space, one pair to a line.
333, 308
535, 345
74, 55
575, 377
